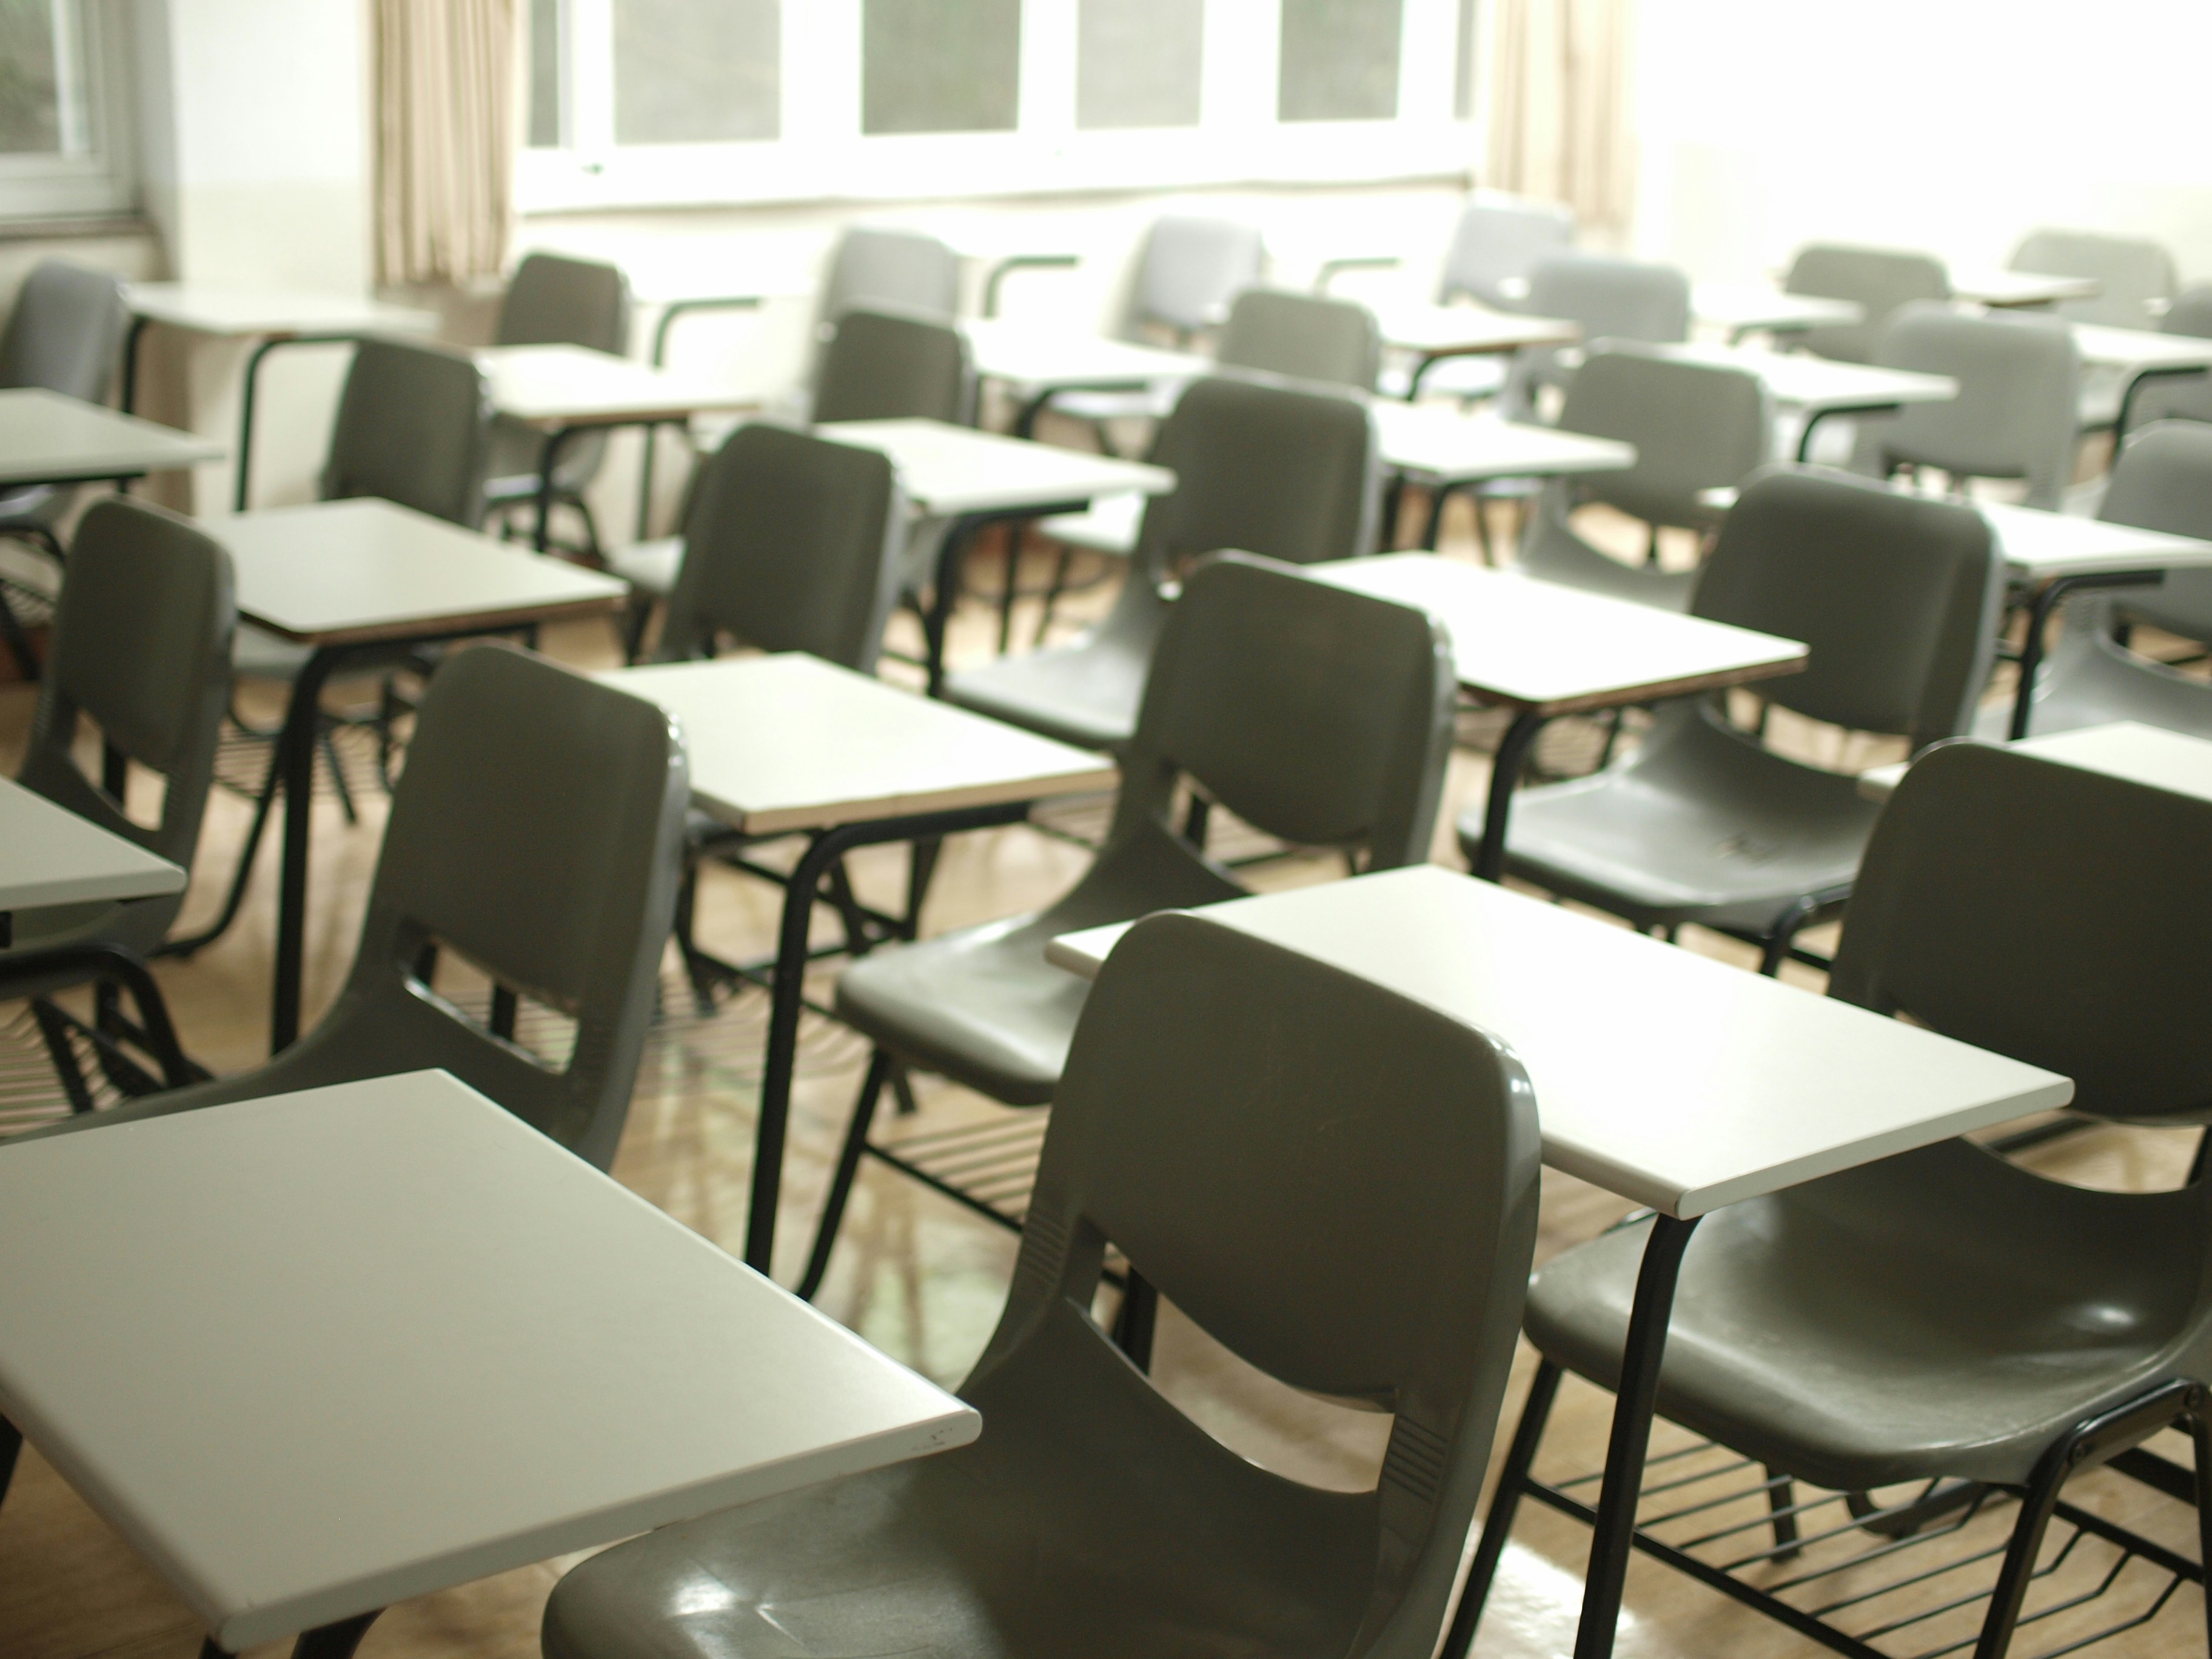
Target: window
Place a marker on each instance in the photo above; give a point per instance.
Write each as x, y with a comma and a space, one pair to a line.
61, 110
647, 102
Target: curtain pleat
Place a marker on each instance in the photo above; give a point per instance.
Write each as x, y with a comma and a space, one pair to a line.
1559, 120
447, 84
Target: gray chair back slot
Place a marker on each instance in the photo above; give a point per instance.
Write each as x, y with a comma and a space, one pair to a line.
2019, 381
880, 365
414, 426
1303, 336
792, 543
1498, 244
1878, 280
2129, 271
66, 331
876, 268
1904, 641
1190, 269
2084, 979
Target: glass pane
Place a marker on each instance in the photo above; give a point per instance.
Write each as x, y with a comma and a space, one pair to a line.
1463, 65
1340, 60
545, 73
698, 71
30, 96
941, 65
1137, 62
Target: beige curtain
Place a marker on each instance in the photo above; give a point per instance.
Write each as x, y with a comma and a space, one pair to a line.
1560, 117
448, 81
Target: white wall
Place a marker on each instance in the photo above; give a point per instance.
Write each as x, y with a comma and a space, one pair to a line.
1951, 125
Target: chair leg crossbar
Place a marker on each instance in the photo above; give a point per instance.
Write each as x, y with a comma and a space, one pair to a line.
1919, 1572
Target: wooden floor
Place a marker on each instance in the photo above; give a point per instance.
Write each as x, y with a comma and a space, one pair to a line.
916, 1274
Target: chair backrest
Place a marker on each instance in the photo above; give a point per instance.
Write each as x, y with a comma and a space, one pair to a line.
1695, 426
2130, 273
538, 831
1496, 245
66, 331
1287, 472
142, 646
1878, 280
1337, 1183
1316, 715
1612, 299
554, 300
2185, 397
880, 365
792, 542
1896, 595
1303, 336
2047, 912
414, 426
2191, 313
879, 268
2017, 413
1190, 270
2162, 480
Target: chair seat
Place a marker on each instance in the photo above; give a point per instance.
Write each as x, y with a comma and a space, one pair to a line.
1700, 825
1941, 1313
1086, 694
649, 567
1109, 527
137, 925
2093, 680
981, 1006
1137, 1554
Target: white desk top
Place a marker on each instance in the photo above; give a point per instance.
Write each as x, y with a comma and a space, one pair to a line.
1559, 650
2039, 546
1708, 1085
337, 572
314, 1354
47, 438
2019, 288
1741, 306
949, 469
2139, 348
558, 386
49, 855
275, 311
1031, 360
1816, 385
1464, 330
790, 742
2140, 754
1434, 441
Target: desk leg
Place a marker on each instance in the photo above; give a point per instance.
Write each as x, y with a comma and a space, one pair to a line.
295, 760
1424, 362
137, 332
1632, 1408
1520, 741
242, 471
945, 595
549, 459
335, 1641
2040, 612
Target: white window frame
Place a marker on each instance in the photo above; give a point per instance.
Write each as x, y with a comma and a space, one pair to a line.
823, 156
95, 172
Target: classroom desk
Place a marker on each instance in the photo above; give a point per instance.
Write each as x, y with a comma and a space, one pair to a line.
561, 391
1544, 650
1742, 308
1432, 333
1710, 1086
359, 580
48, 439
2138, 355
2011, 289
791, 745
272, 318
959, 480
314, 1354
1443, 449
1036, 364
1818, 388
2126, 748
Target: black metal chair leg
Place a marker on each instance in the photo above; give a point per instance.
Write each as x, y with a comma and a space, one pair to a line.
1134, 1322
329, 749
2200, 1435
235, 898
18, 641
921, 866
11, 1443
54, 1027
1782, 1503
1512, 1482
849, 1165
902, 1091
1195, 819
1054, 589
696, 966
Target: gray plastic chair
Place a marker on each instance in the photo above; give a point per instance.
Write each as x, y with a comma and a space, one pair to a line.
2188, 399
1288, 473
881, 365
1695, 426
1496, 245
2161, 481
1336, 1182
2019, 381
1946, 1313
1318, 715
876, 268
1612, 299
538, 834
2131, 274
554, 300
414, 426
141, 648
1878, 280
1897, 597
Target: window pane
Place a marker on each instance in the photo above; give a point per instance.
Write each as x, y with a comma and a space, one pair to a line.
941, 65
1463, 66
545, 73
698, 71
30, 97
1340, 60
1137, 62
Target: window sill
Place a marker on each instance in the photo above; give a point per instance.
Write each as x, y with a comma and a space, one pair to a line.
56, 228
